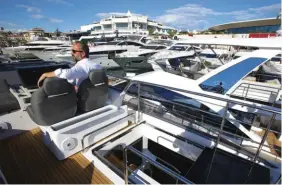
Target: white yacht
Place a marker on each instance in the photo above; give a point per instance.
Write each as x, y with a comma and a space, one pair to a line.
155, 131
103, 54
39, 45
137, 62
211, 58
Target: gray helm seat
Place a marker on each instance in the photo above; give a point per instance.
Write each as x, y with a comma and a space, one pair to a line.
57, 100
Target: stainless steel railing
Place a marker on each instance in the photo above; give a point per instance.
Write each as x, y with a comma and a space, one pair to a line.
223, 99
246, 90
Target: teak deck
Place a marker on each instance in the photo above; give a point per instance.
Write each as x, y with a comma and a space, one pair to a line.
25, 159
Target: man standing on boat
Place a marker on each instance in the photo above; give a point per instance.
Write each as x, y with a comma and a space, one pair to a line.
79, 72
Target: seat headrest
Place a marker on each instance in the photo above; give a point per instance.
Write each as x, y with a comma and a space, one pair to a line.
98, 77
57, 86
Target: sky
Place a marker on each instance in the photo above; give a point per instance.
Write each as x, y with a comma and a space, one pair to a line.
66, 15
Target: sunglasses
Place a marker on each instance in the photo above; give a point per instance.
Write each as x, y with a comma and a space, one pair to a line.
74, 51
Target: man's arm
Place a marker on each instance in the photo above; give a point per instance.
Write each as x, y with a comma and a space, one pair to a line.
69, 74
43, 76
75, 72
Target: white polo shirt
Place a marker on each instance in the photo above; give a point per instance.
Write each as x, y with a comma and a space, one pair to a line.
78, 72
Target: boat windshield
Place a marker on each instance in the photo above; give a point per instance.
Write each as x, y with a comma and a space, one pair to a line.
161, 42
111, 43
148, 47
23, 56
179, 48
134, 37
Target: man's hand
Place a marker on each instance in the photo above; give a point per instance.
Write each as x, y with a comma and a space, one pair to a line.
43, 76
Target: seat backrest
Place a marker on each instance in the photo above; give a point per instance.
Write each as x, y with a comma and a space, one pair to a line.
93, 91
55, 101
8, 101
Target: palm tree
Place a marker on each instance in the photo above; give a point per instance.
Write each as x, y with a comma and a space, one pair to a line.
150, 31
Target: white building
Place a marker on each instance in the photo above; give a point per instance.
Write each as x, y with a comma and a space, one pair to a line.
124, 24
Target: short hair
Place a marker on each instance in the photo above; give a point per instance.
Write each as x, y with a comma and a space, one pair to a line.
84, 47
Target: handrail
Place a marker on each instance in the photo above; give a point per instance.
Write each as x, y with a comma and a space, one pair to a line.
258, 85
226, 141
154, 163
254, 88
203, 95
214, 129
203, 111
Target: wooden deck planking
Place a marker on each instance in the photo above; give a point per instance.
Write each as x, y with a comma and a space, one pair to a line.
25, 159
271, 140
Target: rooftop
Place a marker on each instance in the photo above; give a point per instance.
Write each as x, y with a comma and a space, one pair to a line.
247, 23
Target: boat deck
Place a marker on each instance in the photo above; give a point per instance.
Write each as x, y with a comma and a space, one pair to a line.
273, 141
25, 159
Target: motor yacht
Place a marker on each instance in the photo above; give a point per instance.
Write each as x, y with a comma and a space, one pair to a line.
103, 54
137, 131
39, 45
137, 62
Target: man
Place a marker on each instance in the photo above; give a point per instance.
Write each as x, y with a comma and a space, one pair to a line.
79, 72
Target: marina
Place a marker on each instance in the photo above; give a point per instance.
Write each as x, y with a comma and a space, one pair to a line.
161, 108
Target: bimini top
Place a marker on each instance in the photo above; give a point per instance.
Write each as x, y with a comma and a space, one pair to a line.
262, 43
232, 72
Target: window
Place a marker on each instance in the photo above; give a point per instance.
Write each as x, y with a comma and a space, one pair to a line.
160, 47
192, 110
121, 25
112, 43
107, 26
122, 43
207, 55
178, 48
96, 28
148, 47
255, 29
133, 44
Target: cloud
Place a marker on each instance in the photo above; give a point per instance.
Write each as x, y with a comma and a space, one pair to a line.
17, 30
195, 16
61, 2
7, 23
29, 8
51, 20
37, 16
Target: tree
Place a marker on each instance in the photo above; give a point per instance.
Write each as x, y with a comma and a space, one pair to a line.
2, 28
150, 31
172, 33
